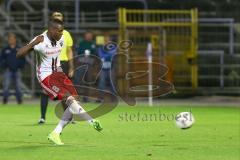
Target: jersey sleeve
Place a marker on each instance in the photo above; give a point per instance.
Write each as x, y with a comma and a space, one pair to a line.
68, 39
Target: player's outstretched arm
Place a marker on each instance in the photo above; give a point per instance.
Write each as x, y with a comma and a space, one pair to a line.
25, 49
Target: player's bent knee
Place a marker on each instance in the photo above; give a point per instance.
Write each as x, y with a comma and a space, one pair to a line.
75, 108
67, 98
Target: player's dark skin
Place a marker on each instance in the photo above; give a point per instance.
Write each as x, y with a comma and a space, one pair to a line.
54, 33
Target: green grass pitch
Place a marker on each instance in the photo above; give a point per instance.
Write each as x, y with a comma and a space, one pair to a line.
129, 133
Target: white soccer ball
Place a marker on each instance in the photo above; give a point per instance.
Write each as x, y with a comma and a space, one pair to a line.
184, 120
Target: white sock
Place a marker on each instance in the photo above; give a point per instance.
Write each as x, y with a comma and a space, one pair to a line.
60, 126
66, 118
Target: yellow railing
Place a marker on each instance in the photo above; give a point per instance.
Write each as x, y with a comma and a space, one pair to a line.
176, 31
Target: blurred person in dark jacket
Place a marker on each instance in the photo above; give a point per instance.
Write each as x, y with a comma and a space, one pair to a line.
86, 47
12, 68
106, 53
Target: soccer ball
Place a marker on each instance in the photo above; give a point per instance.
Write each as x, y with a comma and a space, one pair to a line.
184, 120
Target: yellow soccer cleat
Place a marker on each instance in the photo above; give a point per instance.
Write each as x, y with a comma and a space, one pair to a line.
55, 138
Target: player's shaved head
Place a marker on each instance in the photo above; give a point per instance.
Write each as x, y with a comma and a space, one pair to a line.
55, 29
56, 23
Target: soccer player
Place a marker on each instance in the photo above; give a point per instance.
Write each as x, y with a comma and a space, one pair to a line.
47, 47
65, 58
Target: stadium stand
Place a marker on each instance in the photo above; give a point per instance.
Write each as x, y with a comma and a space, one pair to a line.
218, 31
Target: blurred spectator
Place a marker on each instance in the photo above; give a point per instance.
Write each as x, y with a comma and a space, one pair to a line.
86, 47
12, 67
106, 53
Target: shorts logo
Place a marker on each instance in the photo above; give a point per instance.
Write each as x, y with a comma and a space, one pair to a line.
55, 89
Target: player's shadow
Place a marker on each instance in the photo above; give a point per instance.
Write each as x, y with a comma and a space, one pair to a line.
36, 124
31, 145
25, 142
